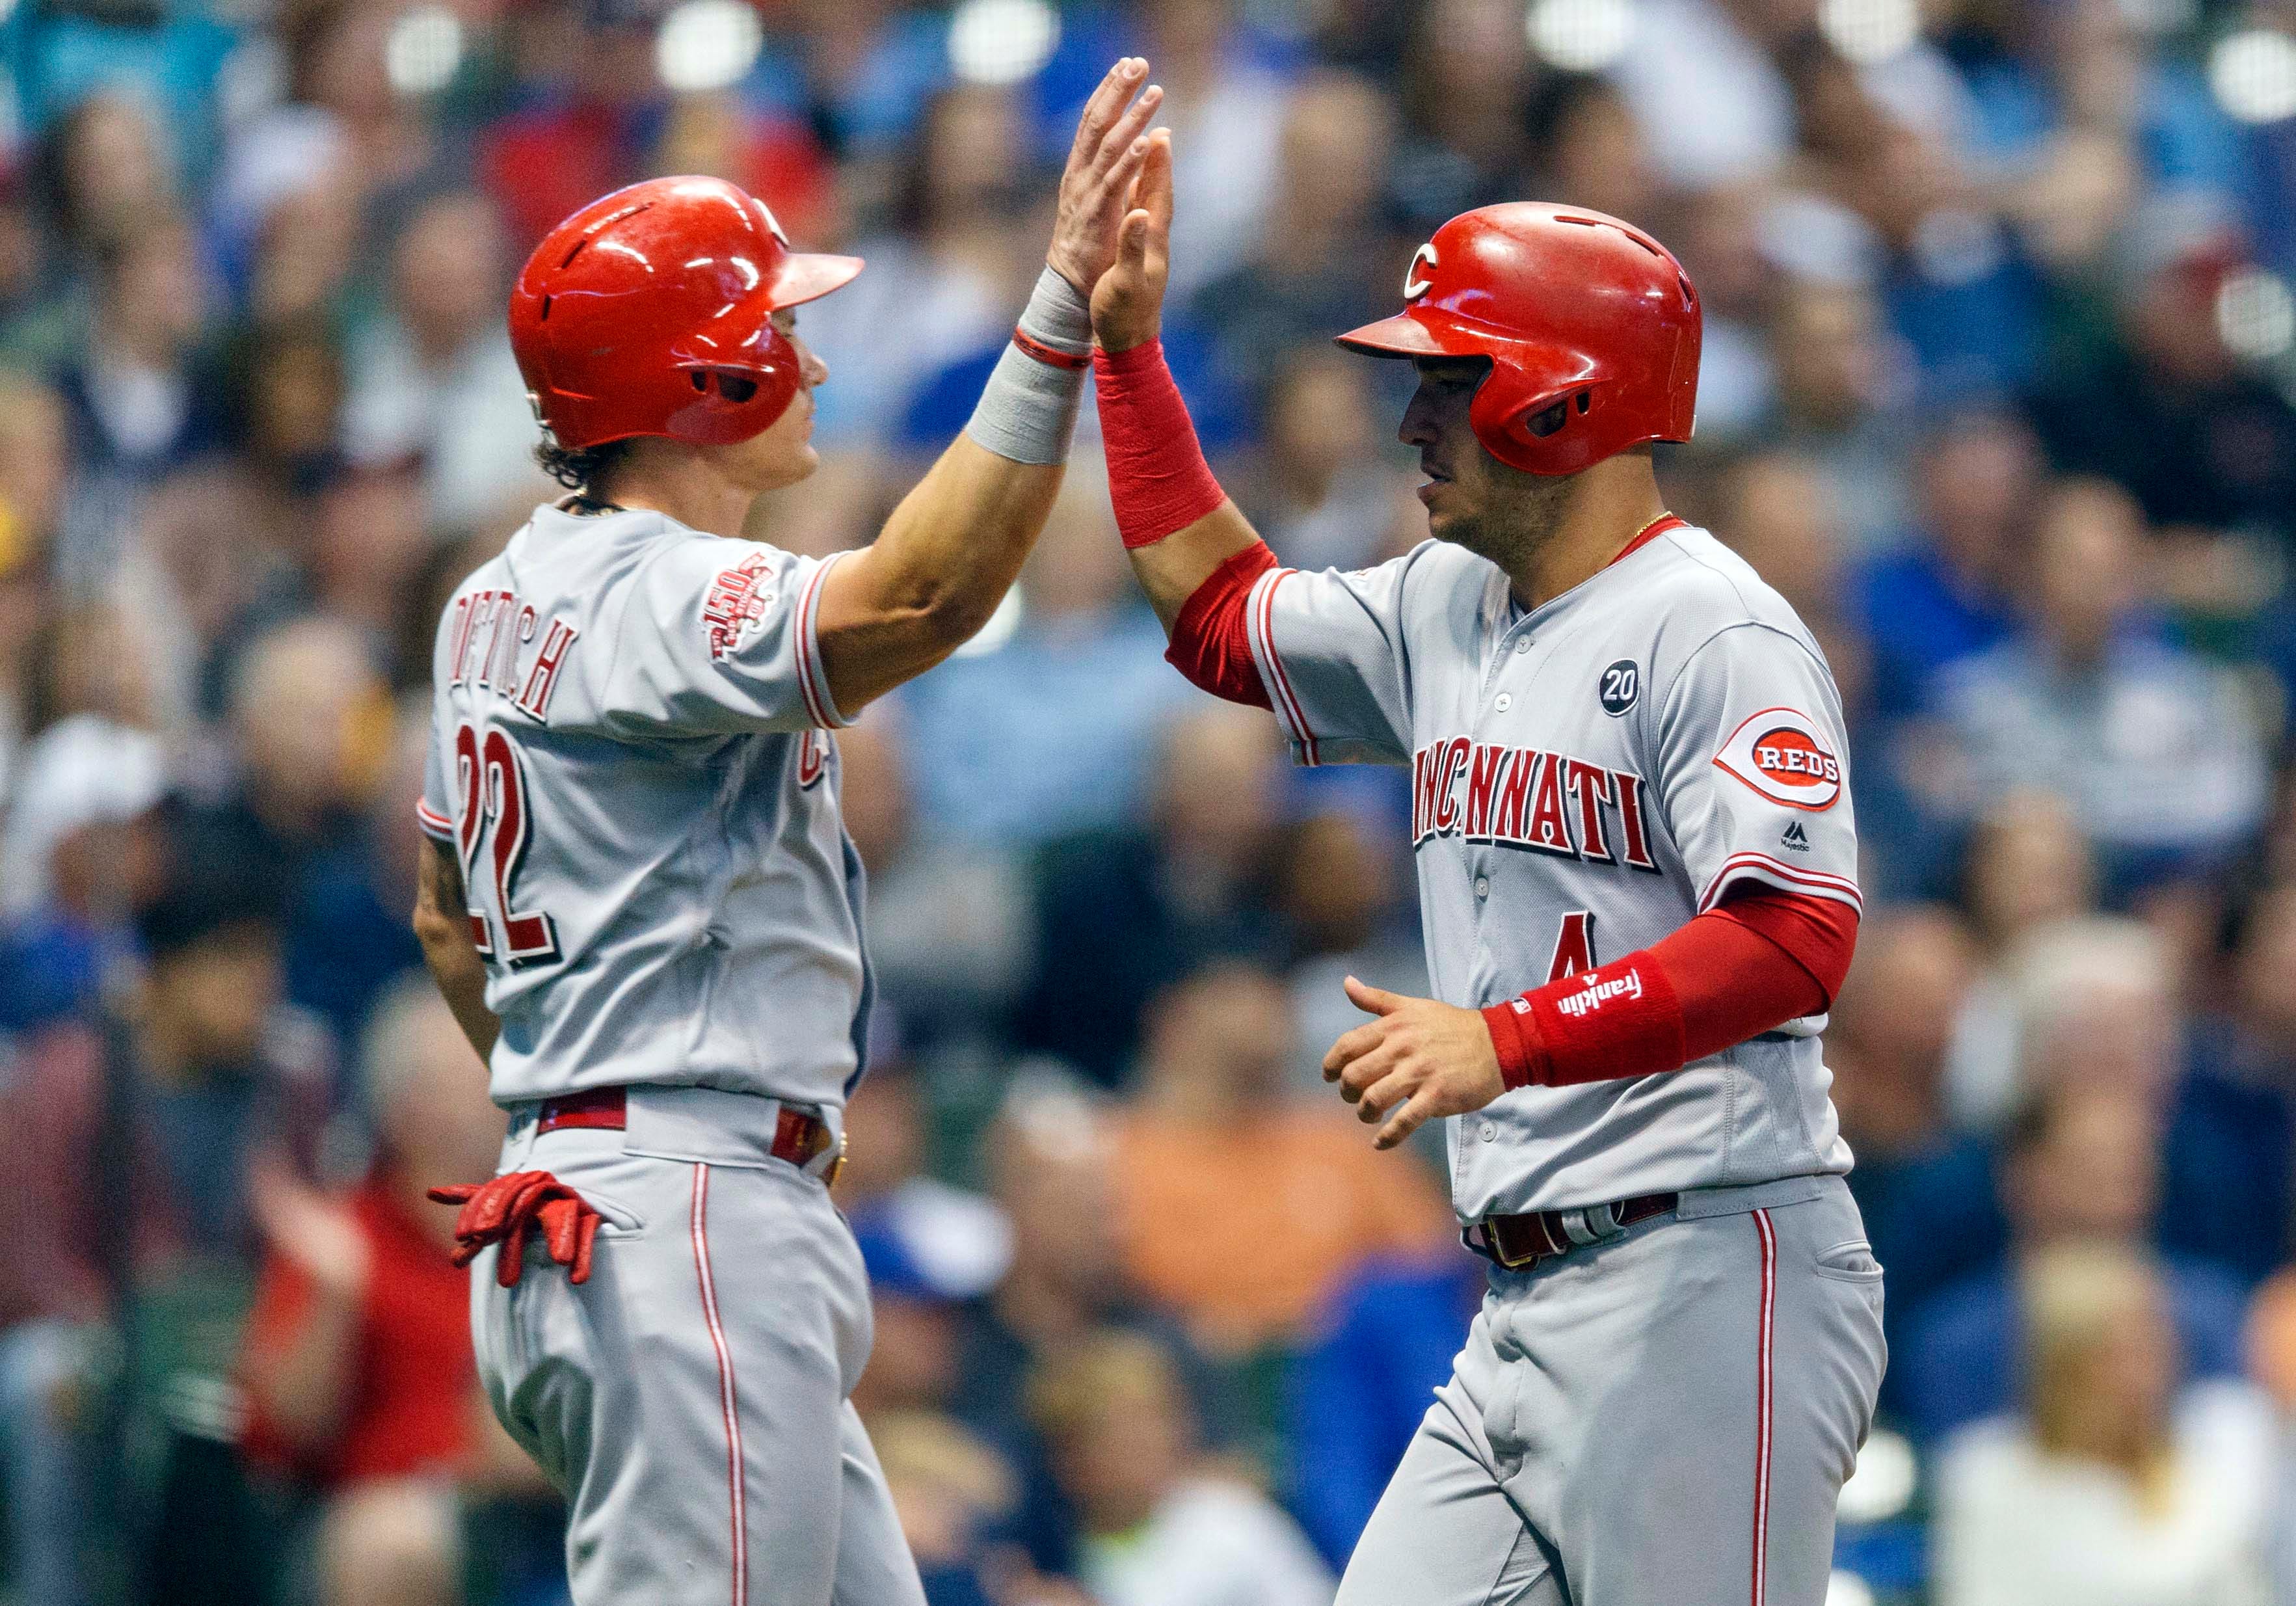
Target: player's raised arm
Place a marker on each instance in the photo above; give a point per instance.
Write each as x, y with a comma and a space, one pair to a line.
1319, 650
954, 545
1178, 524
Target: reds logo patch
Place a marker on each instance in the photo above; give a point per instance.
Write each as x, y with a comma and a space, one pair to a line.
736, 604
1779, 753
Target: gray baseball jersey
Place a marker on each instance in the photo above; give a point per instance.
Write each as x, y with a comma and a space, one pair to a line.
629, 753
629, 757
1586, 777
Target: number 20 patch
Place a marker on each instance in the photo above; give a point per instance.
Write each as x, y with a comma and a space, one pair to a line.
1780, 754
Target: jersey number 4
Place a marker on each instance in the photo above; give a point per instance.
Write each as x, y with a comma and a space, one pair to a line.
1574, 945
495, 814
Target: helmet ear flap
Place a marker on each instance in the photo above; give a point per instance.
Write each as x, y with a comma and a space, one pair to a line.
1502, 412
751, 393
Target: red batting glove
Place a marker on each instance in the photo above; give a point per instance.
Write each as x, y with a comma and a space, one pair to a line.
506, 1209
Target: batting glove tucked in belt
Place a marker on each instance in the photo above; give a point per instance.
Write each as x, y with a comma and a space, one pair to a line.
506, 1209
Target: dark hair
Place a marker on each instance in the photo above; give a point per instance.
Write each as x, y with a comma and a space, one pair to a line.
580, 468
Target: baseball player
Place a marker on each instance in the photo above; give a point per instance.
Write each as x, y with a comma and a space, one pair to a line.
1637, 875
642, 904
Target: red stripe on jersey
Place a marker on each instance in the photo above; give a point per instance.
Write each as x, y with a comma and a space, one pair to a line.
1283, 692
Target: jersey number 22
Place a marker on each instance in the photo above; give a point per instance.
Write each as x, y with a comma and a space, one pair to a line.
494, 813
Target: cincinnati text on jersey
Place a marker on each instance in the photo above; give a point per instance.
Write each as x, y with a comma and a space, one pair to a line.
1520, 797
486, 642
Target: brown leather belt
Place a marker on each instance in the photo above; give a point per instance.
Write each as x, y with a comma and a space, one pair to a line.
799, 1138
1518, 1242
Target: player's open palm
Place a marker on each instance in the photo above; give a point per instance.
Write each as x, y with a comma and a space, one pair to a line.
1097, 185
1128, 304
1418, 1058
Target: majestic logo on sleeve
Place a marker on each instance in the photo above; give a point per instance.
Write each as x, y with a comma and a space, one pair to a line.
736, 602
1780, 754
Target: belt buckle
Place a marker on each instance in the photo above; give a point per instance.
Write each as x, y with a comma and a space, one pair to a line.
1506, 1262
836, 1165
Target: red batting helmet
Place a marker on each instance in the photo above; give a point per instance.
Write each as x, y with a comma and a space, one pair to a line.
1571, 306
650, 311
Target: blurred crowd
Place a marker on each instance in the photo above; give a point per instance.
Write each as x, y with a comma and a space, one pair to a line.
2000, 354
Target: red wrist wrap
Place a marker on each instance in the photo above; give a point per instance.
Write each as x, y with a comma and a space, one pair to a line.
1157, 475
1618, 1019
1732, 973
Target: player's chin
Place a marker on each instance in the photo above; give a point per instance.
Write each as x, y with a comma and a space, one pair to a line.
798, 463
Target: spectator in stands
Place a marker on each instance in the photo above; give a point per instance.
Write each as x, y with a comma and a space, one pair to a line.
314, 727
364, 542
929, 896
1924, 1188
1227, 111
2116, 1483
2080, 1164
1312, 271
1051, 729
1162, 1527
97, 760
2237, 1115
1327, 500
954, 1496
1590, 143
138, 1133
942, 282
1778, 514
2026, 866
1947, 591
1359, 1386
2198, 438
140, 395
31, 478
1835, 405
101, 172
1718, 238
1213, 1166
1049, 1155
2156, 752
1343, 887
2097, 1004
435, 380
1466, 78
1122, 913
358, 1356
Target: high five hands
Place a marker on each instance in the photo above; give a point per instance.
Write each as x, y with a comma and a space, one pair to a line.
1128, 303
1103, 165
1417, 1057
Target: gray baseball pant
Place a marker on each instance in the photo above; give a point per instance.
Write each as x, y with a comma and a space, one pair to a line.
690, 1399
1664, 1418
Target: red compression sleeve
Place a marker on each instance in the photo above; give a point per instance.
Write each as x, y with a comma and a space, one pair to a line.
1730, 974
1157, 476
1210, 644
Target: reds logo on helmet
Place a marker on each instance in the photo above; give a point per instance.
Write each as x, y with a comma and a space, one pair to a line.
1780, 754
